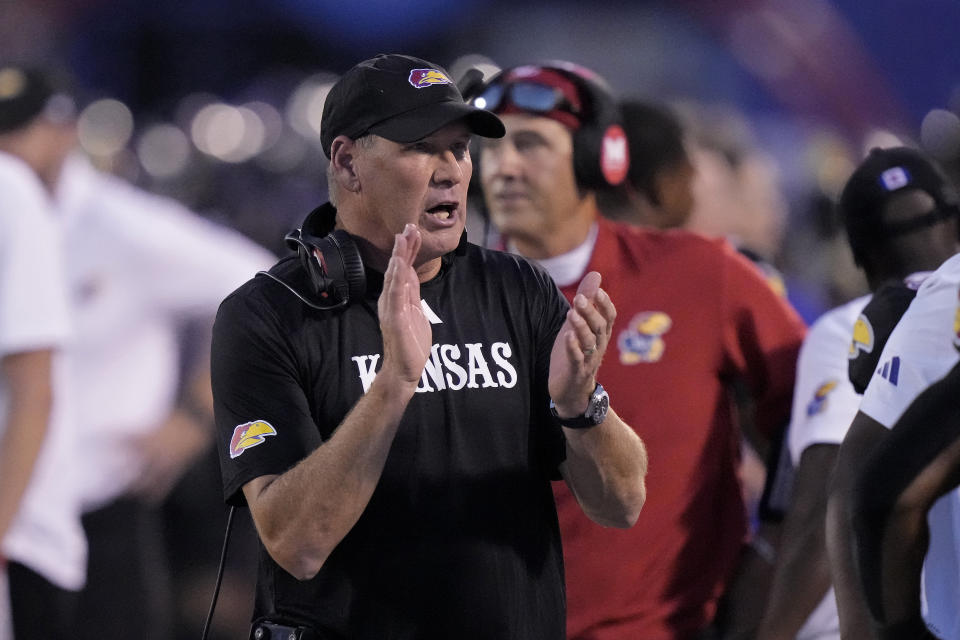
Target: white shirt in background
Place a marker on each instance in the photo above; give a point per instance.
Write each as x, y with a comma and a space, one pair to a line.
46, 534
921, 350
139, 266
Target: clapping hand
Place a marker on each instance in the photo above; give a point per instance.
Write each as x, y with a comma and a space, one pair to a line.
579, 347
407, 335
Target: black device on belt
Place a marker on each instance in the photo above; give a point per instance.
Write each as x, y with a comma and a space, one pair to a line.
267, 630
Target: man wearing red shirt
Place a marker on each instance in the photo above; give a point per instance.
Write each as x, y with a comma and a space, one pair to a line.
693, 315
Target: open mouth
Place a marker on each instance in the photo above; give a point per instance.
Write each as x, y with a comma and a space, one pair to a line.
444, 210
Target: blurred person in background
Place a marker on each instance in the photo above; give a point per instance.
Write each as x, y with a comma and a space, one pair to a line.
893, 510
735, 194
661, 191
43, 552
140, 268
692, 315
898, 516
900, 226
658, 191
736, 190
921, 213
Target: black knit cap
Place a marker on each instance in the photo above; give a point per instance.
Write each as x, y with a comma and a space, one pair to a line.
884, 174
400, 98
24, 93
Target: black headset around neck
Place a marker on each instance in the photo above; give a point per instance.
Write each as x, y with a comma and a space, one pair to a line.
331, 259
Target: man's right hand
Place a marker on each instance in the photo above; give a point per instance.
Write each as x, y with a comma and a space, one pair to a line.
304, 513
407, 335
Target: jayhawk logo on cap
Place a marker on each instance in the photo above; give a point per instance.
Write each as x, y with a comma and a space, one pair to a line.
956, 327
862, 337
249, 434
642, 340
819, 400
421, 78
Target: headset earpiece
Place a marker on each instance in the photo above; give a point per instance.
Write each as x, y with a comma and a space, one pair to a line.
601, 154
333, 265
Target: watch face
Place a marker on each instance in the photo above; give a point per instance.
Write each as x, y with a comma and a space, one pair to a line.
599, 405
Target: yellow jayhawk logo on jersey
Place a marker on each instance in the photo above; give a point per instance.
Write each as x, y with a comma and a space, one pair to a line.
819, 401
956, 326
642, 340
862, 337
248, 435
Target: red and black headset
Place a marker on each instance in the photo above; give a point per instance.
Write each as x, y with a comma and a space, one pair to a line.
331, 260
601, 155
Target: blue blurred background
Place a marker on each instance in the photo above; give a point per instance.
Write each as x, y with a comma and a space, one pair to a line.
216, 102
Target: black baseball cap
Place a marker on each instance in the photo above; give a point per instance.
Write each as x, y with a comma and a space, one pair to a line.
400, 98
24, 93
885, 173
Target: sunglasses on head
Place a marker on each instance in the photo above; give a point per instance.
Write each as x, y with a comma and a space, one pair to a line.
528, 96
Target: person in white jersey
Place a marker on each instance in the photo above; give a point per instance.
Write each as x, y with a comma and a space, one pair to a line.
142, 267
920, 351
43, 552
901, 222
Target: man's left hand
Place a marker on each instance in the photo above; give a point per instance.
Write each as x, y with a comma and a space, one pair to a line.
579, 347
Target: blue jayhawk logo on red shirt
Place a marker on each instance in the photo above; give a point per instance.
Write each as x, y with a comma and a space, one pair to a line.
642, 340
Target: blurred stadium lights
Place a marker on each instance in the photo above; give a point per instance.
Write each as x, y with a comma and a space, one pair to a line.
305, 106
286, 155
104, 128
189, 106
163, 151
230, 134
272, 123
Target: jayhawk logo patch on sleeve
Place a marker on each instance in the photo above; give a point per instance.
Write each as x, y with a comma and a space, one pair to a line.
642, 340
819, 401
248, 435
862, 337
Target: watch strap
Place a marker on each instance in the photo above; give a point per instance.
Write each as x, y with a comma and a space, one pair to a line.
590, 418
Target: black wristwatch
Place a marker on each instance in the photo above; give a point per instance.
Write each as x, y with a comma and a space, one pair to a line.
595, 414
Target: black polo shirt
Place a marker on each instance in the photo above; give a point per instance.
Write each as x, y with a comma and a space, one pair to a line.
460, 538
